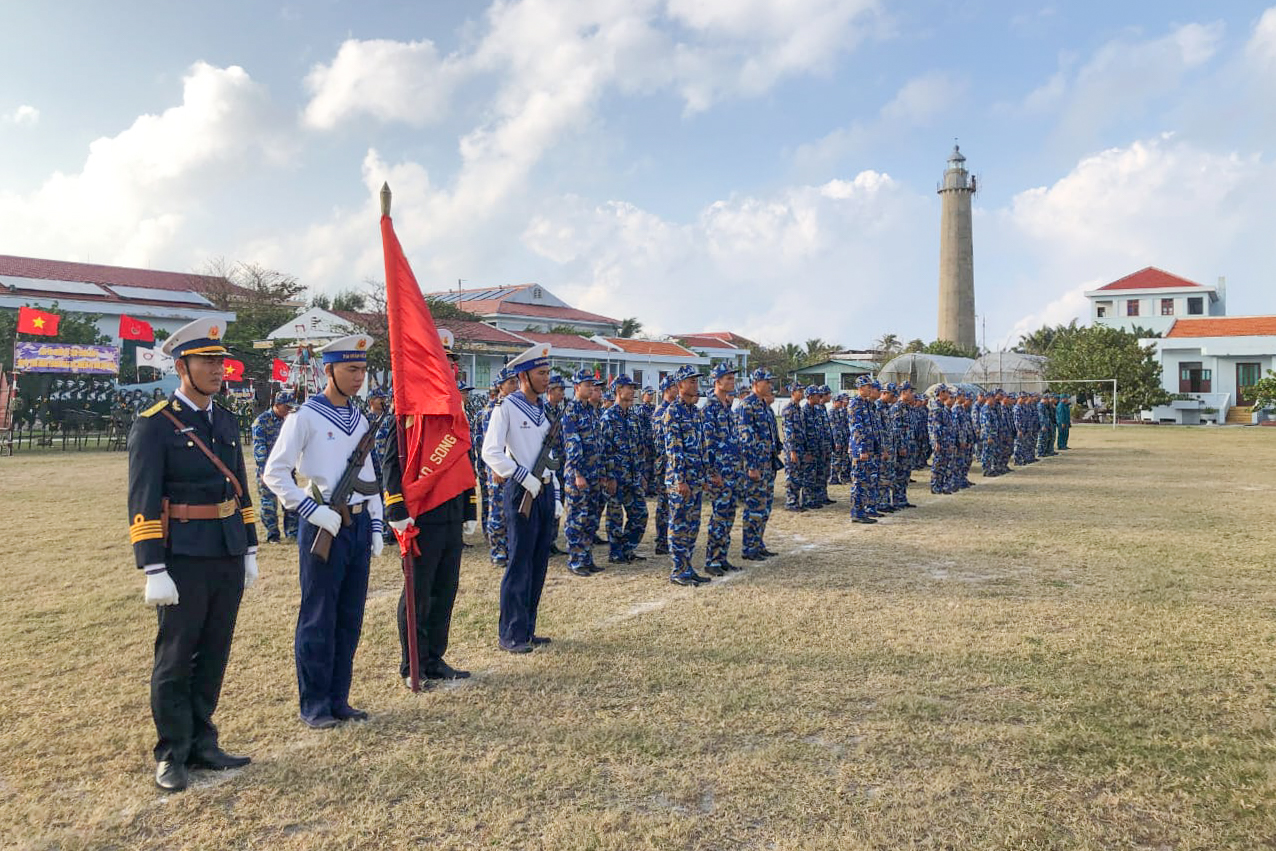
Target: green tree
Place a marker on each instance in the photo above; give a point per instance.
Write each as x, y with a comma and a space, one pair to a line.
1264, 392
915, 345
630, 327
1104, 352
350, 300
950, 349
817, 350
887, 347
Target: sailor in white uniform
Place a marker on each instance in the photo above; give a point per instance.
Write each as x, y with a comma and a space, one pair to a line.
317, 441
515, 434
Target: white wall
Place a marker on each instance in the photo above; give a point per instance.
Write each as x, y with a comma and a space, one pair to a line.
1149, 308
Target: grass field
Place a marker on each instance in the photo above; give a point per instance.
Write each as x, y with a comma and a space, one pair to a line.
1078, 655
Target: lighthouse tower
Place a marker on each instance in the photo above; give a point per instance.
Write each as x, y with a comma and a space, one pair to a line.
957, 255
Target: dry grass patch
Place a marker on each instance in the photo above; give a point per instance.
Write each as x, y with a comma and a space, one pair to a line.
1078, 655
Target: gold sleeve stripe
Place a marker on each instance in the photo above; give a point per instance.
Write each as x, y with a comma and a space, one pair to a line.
250, 514
393, 498
136, 535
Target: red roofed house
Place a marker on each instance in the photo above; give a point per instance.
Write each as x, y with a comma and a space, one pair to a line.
1214, 360
166, 300
719, 346
526, 307
648, 361
1152, 298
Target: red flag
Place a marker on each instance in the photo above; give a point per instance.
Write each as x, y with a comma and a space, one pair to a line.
32, 321
280, 371
234, 369
436, 435
135, 329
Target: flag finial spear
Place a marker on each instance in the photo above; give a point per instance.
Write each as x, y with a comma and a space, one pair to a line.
385, 199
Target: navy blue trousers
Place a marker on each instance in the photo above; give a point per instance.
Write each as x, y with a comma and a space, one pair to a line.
529, 540
333, 594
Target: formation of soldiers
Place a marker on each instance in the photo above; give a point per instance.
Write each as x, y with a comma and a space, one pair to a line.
723, 454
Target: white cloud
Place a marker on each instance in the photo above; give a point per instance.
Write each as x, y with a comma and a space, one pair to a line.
388, 80
24, 115
1261, 48
135, 189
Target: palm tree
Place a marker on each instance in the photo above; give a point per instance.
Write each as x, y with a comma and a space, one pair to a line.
817, 350
792, 353
629, 327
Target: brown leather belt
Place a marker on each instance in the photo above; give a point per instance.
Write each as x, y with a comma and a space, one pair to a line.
217, 511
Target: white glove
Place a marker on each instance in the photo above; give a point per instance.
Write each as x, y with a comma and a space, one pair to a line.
378, 544
469, 527
160, 590
327, 519
558, 509
250, 568
532, 485
401, 526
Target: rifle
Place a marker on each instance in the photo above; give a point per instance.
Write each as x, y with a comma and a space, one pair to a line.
544, 461
348, 485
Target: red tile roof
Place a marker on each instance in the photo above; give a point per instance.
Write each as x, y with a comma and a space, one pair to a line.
1225, 326
93, 273
481, 332
1149, 279
703, 341
650, 347
562, 341
500, 304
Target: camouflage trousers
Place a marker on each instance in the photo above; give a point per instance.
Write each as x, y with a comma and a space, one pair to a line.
722, 500
988, 456
965, 458
626, 520
684, 524
899, 484
582, 513
839, 466
886, 480
1021, 450
756, 497
495, 525
864, 482
795, 482
1045, 441
483, 497
943, 470
267, 511
817, 483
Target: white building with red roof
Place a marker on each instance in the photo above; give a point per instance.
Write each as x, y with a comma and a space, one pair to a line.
649, 361
526, 307
1153, 299
1214, 360
166, 300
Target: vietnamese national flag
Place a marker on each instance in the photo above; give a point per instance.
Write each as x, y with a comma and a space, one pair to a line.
32, 321
234, 369
280, 371
435, 437
136, 329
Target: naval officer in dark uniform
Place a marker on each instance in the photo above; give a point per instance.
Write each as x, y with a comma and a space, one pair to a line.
193, 533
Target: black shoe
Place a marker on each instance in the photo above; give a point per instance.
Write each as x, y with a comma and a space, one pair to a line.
598, 540
753, 557
797, 510
863, 520
171, 776
272, 539
714, 570
349, 713
466, 546
635, 557
596, 568
215, 759
540, 640
661, 551
767, 553
700, 580
322, 722
617, 560
907, 505
830, 502
583, 570
421, 683
498, 564
729, 567
516, 647
689, 578
555, 551
444, 671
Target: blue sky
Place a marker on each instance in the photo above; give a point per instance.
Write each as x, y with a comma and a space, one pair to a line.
763, 166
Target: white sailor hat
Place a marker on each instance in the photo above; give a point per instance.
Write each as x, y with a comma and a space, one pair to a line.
448, 339
533, 358
352, 349
201, 337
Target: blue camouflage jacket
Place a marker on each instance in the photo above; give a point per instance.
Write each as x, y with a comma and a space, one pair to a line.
622, 455
685, 456
722, 444
754, 421
865, 435
582, 440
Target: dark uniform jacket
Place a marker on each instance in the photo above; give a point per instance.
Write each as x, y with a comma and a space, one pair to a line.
164, 462
458, 509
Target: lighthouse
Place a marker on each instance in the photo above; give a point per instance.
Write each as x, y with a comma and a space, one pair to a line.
956, 255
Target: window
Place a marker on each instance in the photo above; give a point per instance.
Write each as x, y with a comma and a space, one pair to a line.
1132, 307
1102, 309
638, 377
809, 378
848, 380
1194, 379
1196, 306
537, 293
1167, 307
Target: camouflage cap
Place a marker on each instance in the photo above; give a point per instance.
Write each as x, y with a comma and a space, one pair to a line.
722, 369
761, 375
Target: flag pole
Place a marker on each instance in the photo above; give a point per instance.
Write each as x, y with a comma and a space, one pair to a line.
406, 545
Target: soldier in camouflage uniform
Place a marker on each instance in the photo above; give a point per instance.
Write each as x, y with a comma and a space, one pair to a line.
686, 465
943, 442
478, 423
668, 395
865, 450
797, 451
646, 411
722, 448
890, 448
1019, 414
839, 426
265, 431
624, 459
965, 428
583, 474
505, 383
760, 452
554, 408
901, 416
989, 435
